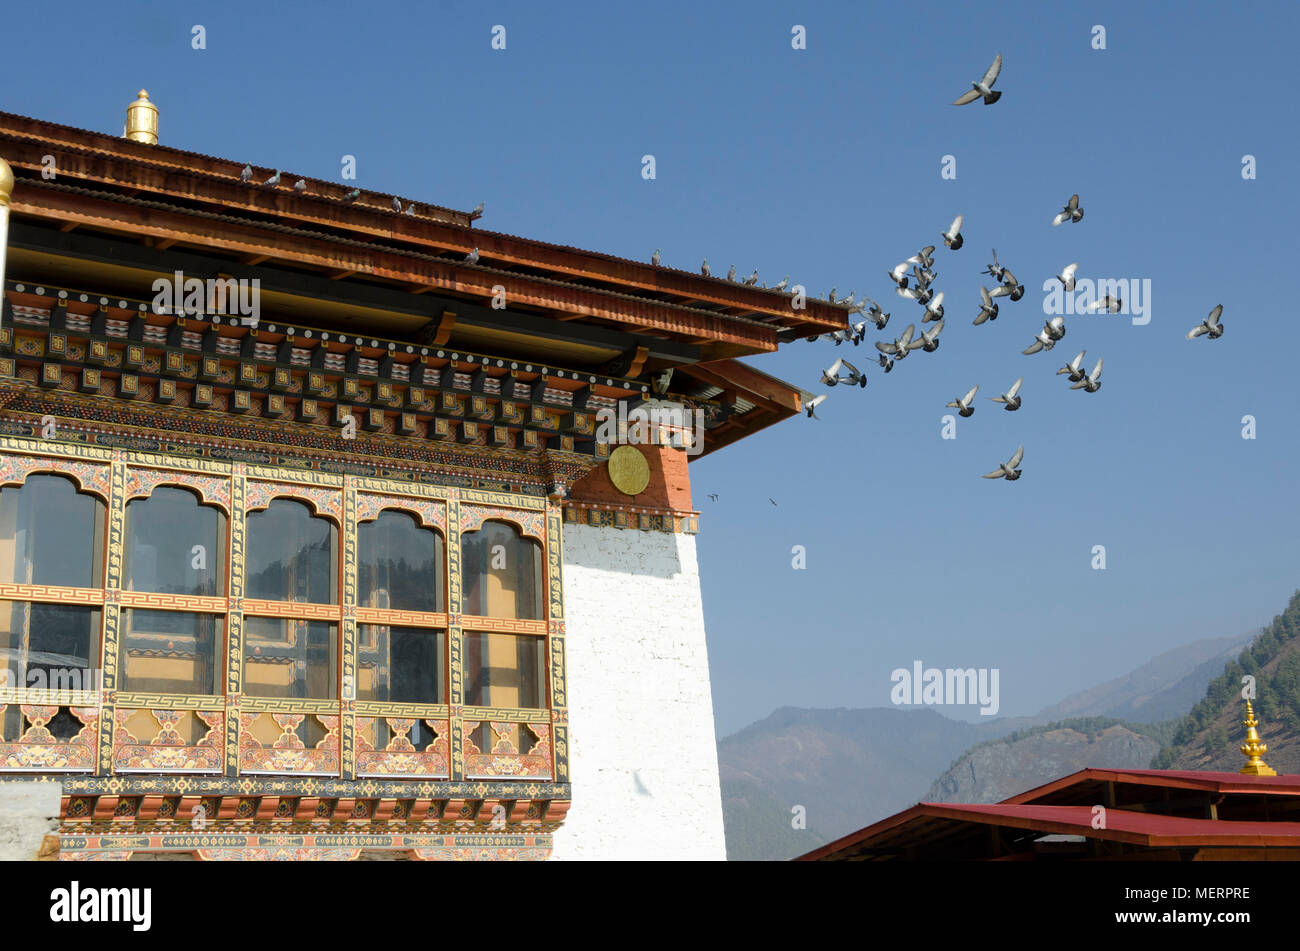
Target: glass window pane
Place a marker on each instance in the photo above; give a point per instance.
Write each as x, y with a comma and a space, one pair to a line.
502, 573
504, 670
171, 652
399, 564
51, 534
163, 533
49, 645
292, 555
290, 658
401, 664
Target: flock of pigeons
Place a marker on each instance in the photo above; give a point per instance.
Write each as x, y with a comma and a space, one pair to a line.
914, 278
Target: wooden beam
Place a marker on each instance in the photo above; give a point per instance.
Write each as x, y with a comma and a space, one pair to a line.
255, 259
340, 274
69, 226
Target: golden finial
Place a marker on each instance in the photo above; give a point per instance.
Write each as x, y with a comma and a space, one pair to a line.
142, 120
1254, 749
6, 182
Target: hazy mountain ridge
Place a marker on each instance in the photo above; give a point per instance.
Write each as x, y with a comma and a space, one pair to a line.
851, 767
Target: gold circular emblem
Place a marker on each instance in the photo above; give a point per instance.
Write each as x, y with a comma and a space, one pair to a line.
628, 470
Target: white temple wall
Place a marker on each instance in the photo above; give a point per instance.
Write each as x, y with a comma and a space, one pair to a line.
643, 754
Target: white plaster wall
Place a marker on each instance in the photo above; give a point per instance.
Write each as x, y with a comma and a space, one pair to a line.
643, 756
29, 811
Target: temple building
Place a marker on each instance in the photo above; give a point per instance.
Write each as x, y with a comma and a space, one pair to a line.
334, 528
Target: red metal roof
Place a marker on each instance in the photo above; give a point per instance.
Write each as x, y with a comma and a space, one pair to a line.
1173, 779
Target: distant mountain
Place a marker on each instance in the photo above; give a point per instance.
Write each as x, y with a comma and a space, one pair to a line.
1210, 736
847, 768
1164, 687
995, 770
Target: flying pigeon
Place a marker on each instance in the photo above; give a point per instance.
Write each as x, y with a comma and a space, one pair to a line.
1011, 397
995, 270
877, 316
477, 212
1008, 469
704, 268
1210, 325
984, 87
752, 279
923, 277
1066, 277
397, 204
923, 257
731, 273
887, 363
965, 406
1052, 331
1112, 305
352, 195
1071, 212
654, 258
713, 496
246, 175
952, 238
812, 404
897, 275
274, 179
919, 294
859, 332
784, 283
1091, 383
934, 309
899, 348
300, 185
1074, 368
988, 309
1009, 288
472, 257
929, 339
831, 375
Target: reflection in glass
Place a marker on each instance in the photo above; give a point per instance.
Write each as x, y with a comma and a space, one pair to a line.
399, 564
49, 646
171, 652
291, 555
502, 572
401, 664
504, 670
51, 534
175, 545
284, 657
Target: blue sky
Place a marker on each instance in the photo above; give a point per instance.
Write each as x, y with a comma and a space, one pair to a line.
824, 164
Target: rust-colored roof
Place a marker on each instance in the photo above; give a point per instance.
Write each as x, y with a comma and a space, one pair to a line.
1169, 779
188, 182
930, 823
1134, 828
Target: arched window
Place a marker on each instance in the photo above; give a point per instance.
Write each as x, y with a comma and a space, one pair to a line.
502, 572
50, 535
400, 567
174, 545
291, 555
399, 564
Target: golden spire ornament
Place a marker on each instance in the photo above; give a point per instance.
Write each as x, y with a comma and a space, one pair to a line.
1254, 749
